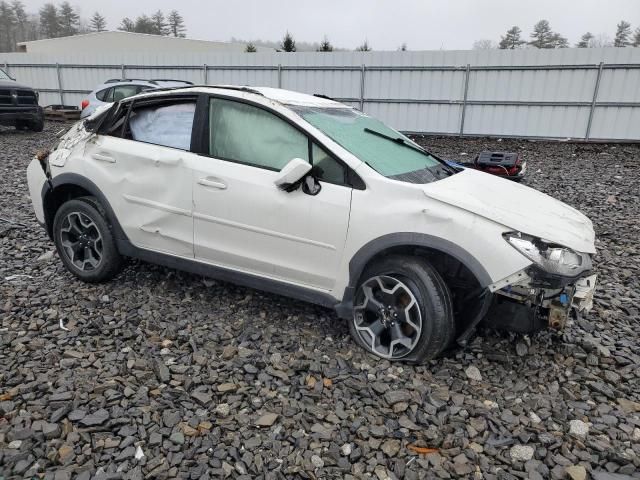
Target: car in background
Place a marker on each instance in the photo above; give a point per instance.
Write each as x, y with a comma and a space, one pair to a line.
115, 90
19, 105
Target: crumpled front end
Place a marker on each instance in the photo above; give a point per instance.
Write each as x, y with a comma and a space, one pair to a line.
532, 299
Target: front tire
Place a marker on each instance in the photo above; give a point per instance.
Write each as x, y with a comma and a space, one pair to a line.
37, 125
85, 242
402, 310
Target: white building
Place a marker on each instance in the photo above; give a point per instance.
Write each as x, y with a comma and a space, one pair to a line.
121, 42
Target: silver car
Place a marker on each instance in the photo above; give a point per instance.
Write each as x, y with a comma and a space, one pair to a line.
115, 90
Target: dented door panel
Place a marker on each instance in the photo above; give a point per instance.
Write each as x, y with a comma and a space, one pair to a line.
149, 187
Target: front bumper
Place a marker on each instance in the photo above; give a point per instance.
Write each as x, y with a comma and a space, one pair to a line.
528, 303
10, 114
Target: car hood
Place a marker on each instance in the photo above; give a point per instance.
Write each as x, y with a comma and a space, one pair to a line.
516, 206
11, 84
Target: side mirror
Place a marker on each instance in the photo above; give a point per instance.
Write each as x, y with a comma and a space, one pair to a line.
292, 174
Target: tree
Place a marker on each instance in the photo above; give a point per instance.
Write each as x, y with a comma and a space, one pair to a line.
542, 36
586, 41
484, 44
22, 20
176, 24
325, 45
7, 25
512, 39
68, 19
250, 48
636, 37
365, 47
160, 26
127, 25
98, 23
288, 43
558, 41
144, 24
623, 32
49, 21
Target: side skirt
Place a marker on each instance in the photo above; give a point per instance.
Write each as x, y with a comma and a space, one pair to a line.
239, 278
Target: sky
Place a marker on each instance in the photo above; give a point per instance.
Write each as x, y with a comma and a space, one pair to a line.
385, 24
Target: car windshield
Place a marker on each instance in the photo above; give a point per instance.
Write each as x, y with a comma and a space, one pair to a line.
3, 75
385, 150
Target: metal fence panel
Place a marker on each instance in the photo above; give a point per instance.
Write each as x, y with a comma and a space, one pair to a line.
589, 94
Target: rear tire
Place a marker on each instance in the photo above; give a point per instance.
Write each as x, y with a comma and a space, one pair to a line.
402, 310
84, 240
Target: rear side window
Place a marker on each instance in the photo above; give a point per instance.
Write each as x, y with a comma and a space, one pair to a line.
165, 124
246, 134
124, 91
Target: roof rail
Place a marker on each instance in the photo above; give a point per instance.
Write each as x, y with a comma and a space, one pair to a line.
116, 80
156, 80
222, 87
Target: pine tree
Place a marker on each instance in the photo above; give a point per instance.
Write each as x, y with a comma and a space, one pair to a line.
127, 25
49, 21
558, 41
22, 20
159, 23
69, 20
288, 43
512, 39
365, 47
7, 25
542, 36
144, 24
176, 24
585, 41
325, 45
250, 48
636, 37
98, 23
623, 33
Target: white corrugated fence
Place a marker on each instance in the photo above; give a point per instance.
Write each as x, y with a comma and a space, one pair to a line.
589, 94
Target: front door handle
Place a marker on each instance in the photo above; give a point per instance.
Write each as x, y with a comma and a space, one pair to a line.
215, 183
102, 157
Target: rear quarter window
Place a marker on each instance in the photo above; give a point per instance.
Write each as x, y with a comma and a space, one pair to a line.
102, 95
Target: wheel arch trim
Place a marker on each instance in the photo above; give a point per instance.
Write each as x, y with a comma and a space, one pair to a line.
75, 179
364, 255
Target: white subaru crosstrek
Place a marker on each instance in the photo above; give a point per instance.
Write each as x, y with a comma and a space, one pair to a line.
304, 196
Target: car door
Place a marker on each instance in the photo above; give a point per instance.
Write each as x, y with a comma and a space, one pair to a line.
140, 161
243, 221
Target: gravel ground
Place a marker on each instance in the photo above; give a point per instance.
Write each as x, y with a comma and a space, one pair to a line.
164, 374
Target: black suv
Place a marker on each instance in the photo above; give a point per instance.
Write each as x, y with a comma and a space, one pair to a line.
19, 105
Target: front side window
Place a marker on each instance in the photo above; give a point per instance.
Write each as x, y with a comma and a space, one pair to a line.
327, 167
247, 134
385, 150
166, 124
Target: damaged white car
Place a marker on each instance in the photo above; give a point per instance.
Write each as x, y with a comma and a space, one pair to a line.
303, 196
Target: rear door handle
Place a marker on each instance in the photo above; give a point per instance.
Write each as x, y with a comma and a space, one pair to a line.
210, 182
101, 157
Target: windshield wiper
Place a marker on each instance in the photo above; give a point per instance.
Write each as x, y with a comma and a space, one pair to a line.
399, 140
402, 141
